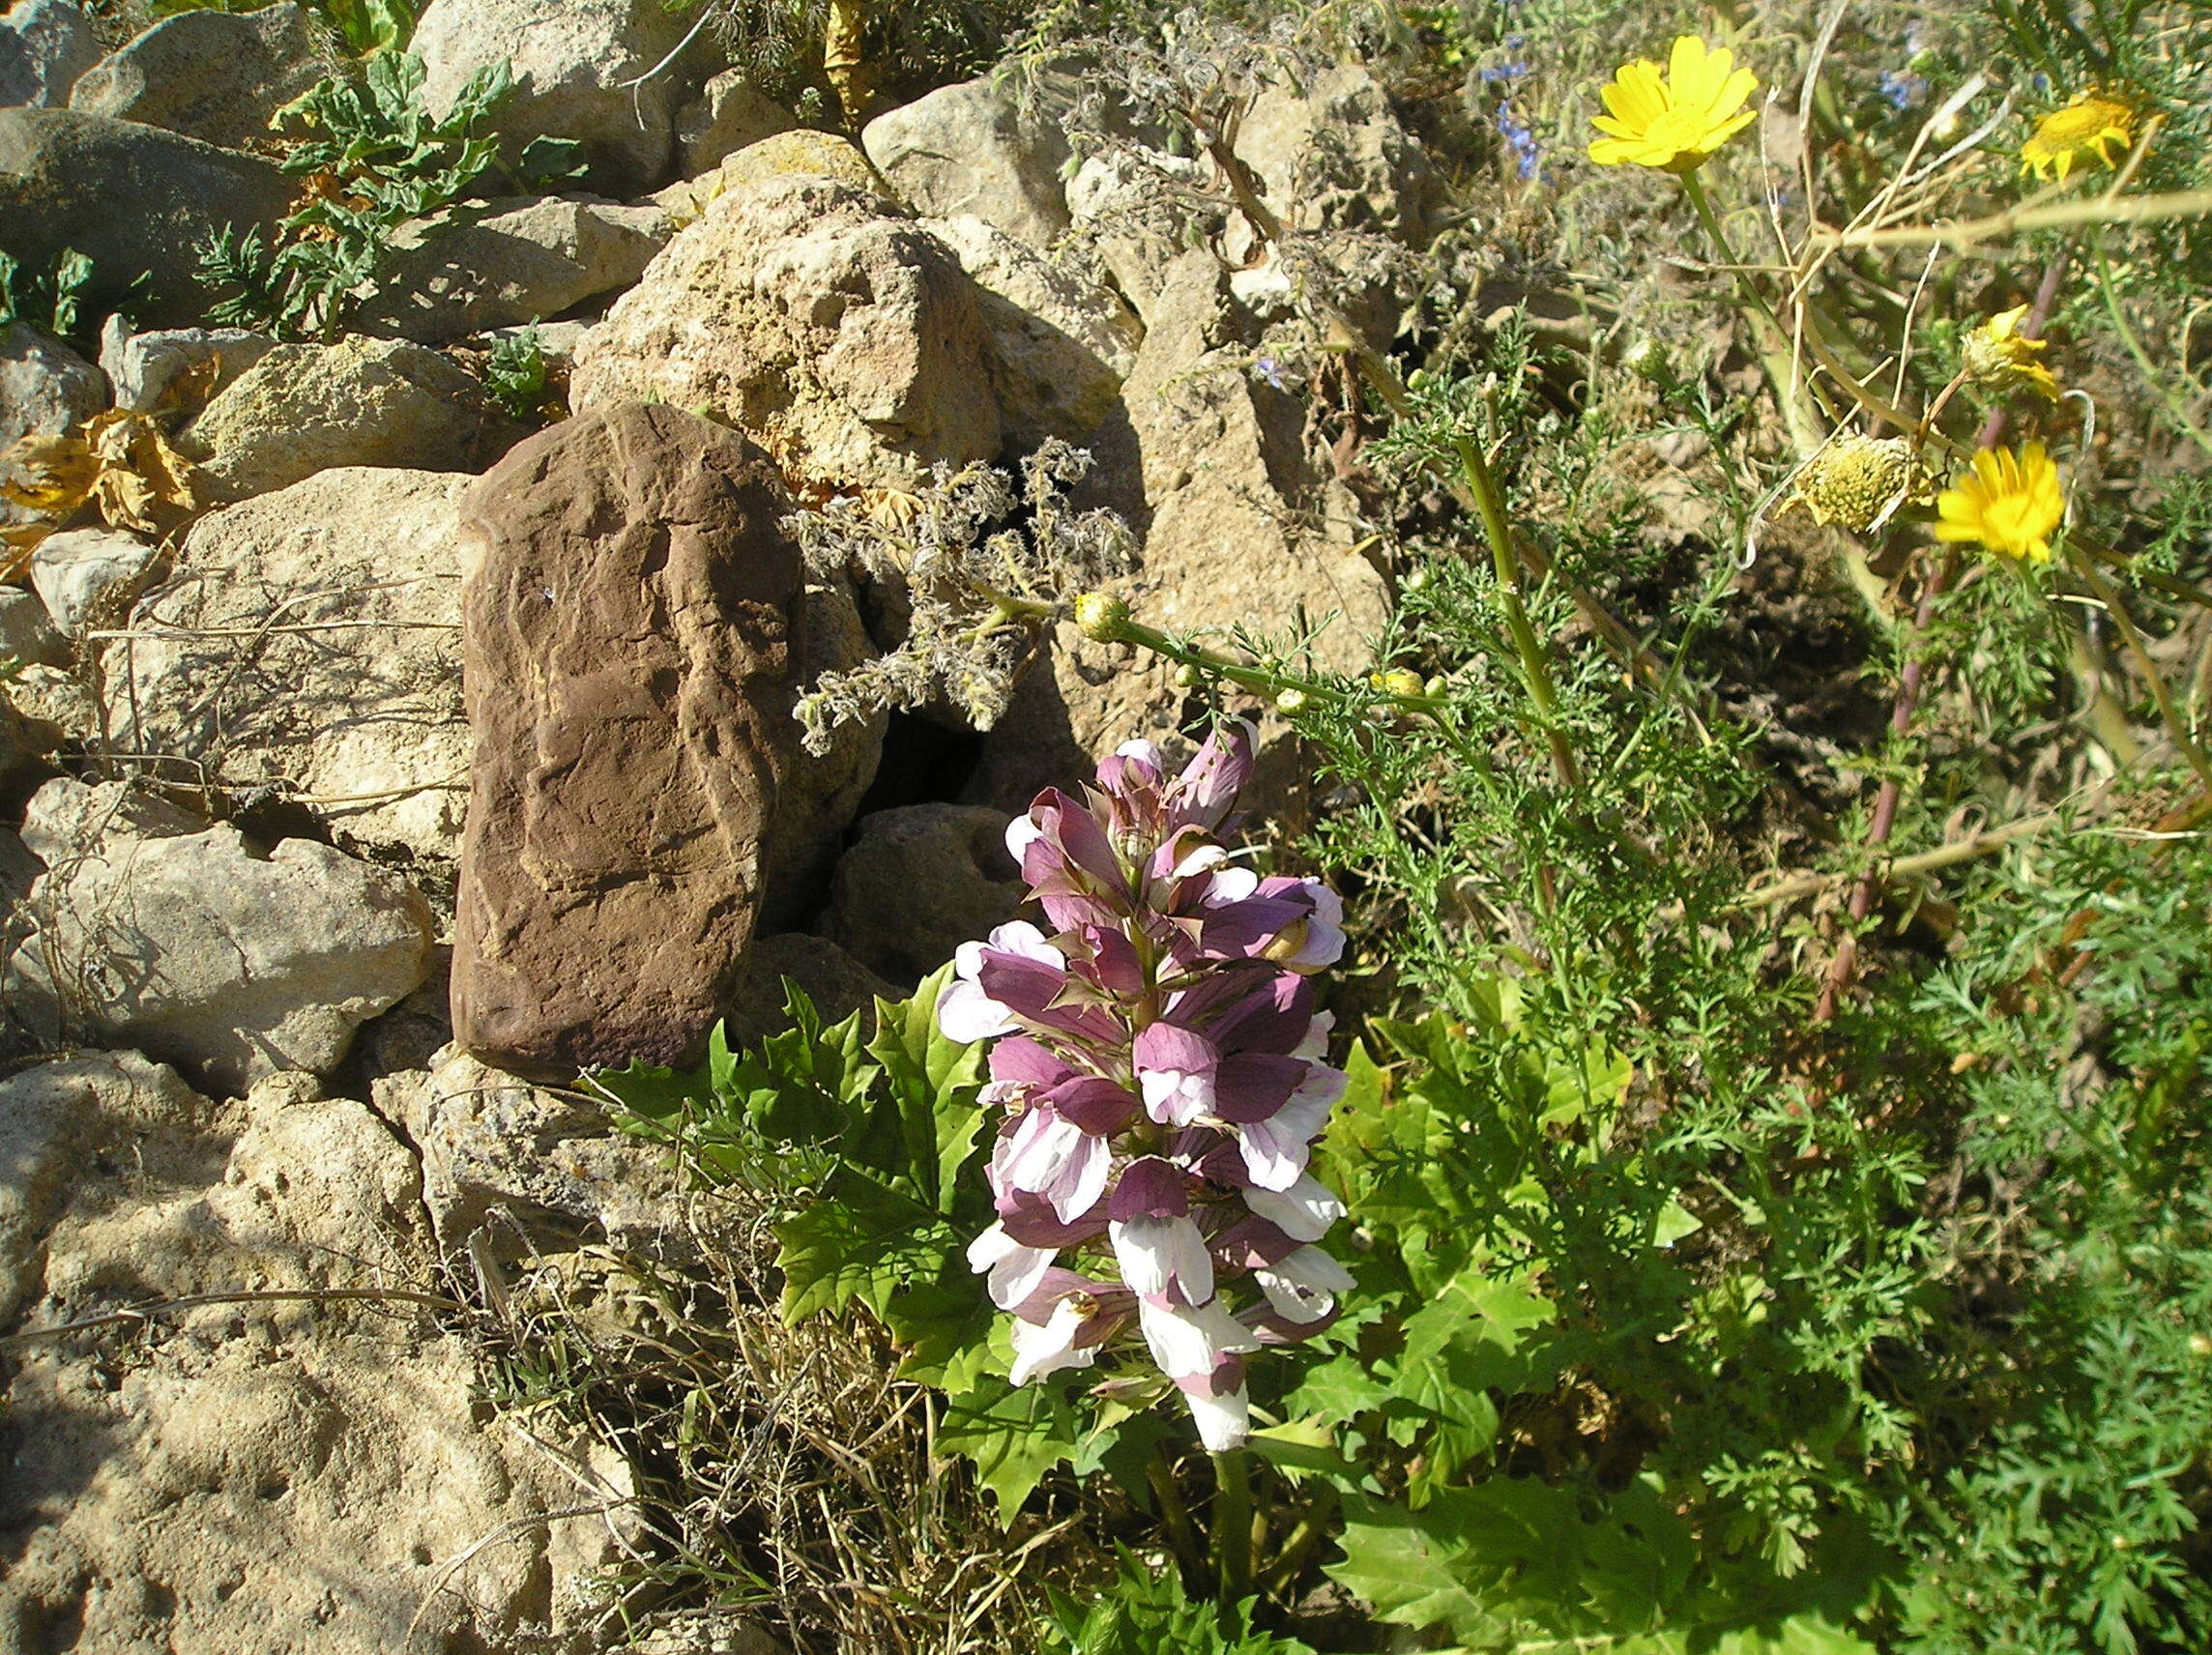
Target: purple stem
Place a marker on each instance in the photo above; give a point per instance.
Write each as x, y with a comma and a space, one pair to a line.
1908, 683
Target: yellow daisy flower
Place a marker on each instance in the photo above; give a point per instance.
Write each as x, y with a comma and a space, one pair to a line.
2092, 123
1997, 356
1673, 123
2012, 503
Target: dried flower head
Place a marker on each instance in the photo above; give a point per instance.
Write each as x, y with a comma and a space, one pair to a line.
1157, 1061
1997, 357
2011, 504
2090, 125
1676, 121
1859, 482
979, 599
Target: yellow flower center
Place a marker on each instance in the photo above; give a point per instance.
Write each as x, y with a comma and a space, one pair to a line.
2080, 124
1681, 129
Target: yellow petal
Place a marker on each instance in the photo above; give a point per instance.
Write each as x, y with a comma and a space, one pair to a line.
1618, 128
1686, 66
1732, 92
1644, 94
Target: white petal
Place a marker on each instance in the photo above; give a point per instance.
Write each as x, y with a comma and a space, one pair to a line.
1188, 1343
1145, 751
1223, 1421
1275, 1159
1303, 1213
1172, 1097
1021, 835
1020, 937
1232, 885
1303, 1286
988, 1248
1315, 1045
1085, 1181
965, 1013
1040, 1350
1017, 1275
1154, 1251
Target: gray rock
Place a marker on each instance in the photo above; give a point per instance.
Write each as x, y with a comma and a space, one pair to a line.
1332, 155
266, 1479
1137, 213
968, 151
87, 577
832, 980
849, 342
26, 631
52, 1115
1243, 526
217, 76
45, 387
44, 47
303, 409
56, 707
918, 882
141, 368
1060, 345
729, 113
357, 702
549, 1162
192, 948
573, 65
524, 259
135, 200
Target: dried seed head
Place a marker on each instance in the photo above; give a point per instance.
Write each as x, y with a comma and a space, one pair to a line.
1858, 482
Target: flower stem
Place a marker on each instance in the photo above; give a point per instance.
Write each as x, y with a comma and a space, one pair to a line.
1232, 1526
1489, 506
1774, 353
1182, 1534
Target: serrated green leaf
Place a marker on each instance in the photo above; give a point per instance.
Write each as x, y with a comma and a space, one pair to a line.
859, 1243
1011, 1437
1405, 1570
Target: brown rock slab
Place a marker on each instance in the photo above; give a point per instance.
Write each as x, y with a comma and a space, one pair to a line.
630, 610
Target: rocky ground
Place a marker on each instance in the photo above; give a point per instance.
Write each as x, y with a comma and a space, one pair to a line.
425, 760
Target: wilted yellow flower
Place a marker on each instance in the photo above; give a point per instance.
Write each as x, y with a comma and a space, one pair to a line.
2092, 123
2011, 504
1998, 357
1676, 122
1859, 481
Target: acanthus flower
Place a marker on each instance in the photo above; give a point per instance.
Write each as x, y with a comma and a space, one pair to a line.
1159, 1066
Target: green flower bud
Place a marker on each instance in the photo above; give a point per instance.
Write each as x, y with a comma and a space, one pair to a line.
1100, 616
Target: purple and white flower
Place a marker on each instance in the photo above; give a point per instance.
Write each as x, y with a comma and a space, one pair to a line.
1161, 1071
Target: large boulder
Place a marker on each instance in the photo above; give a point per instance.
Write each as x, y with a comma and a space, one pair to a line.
262, 1479
218, 75
309, 639
519, 261
135, 200
630, 608
1240, 528
1060, 345
44, 47
849, 343
968, 151
582, 71
800, 152
303, 409
195, 950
